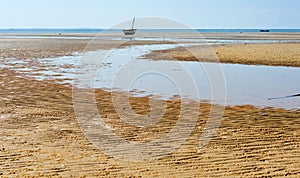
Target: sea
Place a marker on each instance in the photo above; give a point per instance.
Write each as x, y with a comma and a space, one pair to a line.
97, 30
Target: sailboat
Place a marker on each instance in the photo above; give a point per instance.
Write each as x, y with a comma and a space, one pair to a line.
130, 31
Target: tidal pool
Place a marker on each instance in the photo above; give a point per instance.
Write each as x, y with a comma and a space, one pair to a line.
123, 70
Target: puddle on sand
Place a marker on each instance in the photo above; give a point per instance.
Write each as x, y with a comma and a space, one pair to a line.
245, 84
248, 84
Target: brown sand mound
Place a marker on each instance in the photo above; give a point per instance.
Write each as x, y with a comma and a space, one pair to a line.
287, 54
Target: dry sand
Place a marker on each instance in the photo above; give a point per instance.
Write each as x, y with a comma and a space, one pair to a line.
285, 54
40, 136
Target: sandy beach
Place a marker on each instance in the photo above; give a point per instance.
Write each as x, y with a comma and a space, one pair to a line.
40, 136
286, 54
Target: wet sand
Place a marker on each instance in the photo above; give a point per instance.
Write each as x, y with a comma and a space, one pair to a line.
191, 35
46, 48
40, 135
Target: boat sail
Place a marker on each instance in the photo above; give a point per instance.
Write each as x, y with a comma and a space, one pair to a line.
130, 31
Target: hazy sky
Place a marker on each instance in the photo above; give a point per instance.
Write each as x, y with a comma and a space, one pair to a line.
106, 13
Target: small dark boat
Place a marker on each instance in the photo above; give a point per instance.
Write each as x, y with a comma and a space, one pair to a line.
130, 31
264, 30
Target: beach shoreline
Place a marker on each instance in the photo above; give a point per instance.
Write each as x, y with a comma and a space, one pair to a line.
40, 134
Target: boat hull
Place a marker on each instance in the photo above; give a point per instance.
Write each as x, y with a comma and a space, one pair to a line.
129, 31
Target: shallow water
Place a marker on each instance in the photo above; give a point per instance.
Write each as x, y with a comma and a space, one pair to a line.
197, 39
245, 84
122, 70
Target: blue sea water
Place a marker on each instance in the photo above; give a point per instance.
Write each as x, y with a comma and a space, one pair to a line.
97, 30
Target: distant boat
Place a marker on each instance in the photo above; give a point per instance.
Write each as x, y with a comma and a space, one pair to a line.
130, 31
264, 30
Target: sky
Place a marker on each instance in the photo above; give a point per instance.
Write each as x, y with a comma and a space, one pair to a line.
106, 13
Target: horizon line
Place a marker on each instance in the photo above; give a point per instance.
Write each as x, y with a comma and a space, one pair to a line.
12, 28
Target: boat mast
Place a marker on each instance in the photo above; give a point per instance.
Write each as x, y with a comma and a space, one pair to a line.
133, 22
